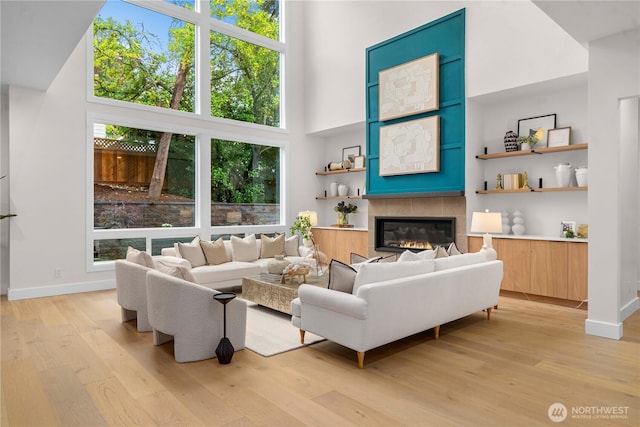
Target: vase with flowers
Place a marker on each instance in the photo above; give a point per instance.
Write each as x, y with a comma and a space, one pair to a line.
344, 210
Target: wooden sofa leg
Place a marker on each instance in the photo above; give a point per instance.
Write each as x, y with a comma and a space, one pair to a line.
436, 331
301, 336
361, 359
489, 313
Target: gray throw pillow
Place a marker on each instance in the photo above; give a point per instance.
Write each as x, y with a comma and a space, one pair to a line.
341, 276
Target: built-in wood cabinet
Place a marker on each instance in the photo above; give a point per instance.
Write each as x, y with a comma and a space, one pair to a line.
541, 267
338, 243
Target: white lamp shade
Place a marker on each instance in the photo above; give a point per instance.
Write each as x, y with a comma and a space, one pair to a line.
486, 222
313, 217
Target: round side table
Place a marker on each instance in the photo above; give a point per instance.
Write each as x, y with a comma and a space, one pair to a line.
225, 349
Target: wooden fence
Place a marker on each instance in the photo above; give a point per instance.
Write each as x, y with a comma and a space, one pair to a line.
121, 162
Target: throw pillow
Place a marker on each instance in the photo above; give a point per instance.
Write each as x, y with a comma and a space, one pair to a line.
245, 249
272, 246
175, 270
441, 252
139, 257
460, 260
291, 246
379, 272
453, 249
192, 252
355, 260
341, 276
417, 256
214, 252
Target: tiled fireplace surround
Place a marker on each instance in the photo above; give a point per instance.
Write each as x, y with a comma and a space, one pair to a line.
455, 206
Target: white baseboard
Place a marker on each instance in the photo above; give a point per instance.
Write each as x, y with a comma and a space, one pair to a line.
603, 329
49, 291
629, 309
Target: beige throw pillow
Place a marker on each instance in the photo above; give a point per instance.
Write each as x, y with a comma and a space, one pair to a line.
214, 252
139, 257
245, 249
192, 252
341, 276
441, 252
175, 270
272, 246
291, 246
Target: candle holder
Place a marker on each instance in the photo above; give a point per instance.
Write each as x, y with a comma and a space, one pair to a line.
225, 349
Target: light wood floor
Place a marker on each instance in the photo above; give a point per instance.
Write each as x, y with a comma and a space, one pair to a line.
69, 361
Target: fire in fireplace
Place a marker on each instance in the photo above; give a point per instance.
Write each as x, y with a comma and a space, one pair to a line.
396, 234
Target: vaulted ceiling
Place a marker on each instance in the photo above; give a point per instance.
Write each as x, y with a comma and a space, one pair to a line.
37, 37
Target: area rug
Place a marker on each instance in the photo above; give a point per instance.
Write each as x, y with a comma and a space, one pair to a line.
270, 332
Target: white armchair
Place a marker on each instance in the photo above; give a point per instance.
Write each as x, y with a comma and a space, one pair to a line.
131, 291
187, 313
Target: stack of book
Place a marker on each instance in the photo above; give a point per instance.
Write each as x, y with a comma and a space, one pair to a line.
512, 181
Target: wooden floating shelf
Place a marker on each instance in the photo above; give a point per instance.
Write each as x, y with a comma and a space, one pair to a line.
533, 190
534, 151
341, 171
337, 197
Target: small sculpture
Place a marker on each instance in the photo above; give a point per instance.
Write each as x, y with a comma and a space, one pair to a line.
334, 166
499, 186
525, 181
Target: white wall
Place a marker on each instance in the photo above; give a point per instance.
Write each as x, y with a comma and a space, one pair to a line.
509, 44
614, 74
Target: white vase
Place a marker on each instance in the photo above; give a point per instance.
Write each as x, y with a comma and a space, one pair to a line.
506, 228
582, 177
343, 190
518, 227
525, 146
563, 174
333, 189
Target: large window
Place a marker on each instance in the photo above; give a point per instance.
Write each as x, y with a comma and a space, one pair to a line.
142, 178
245, 183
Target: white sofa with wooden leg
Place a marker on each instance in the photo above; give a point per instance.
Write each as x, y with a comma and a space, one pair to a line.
380, 312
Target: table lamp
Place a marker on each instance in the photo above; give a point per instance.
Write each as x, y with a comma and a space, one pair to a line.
312, 215
486, 222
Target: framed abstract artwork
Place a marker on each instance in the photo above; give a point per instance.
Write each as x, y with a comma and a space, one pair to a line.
410, 147
409, 88
538, 126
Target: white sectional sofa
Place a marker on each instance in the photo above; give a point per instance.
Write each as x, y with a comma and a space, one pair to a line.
390, 301
243, 257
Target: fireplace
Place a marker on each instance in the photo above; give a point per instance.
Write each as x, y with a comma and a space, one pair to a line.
397, 234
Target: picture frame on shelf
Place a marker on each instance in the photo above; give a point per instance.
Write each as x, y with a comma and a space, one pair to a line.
559, 137
410, 147
538, 126
350, 153
409, 88
568, 226
358, 162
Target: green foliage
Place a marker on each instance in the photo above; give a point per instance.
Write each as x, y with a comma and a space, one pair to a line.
345, 209
529, 139
302, 225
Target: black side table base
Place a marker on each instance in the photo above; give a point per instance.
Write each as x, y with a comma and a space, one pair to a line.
225, 351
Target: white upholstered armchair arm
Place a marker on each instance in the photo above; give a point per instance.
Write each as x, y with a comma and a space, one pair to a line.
336, 301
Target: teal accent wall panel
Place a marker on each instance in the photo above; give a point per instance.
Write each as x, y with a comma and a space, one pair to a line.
445, 36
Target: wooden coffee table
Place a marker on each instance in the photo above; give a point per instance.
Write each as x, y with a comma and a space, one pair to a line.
275, 295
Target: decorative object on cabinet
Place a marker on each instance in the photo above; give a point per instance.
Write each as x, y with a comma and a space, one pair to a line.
510, 141
486, 222
559, 137
358, 162
350, 153
518, 227
410, 147
336, 166
538, 126
582, 176
409, 88
333, 189
563, 174
568, 229
583, 231
506, 227
344, 210
343, 190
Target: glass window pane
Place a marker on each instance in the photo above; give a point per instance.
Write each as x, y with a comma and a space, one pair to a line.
112, 249
189, 4
245, 81
158, 244
125, 193
245, 183
258, 16
143, 57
